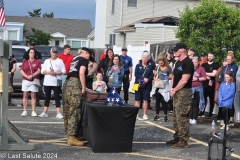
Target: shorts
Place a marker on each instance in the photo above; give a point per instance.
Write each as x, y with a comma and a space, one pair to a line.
142, 94
29, 86
64, 77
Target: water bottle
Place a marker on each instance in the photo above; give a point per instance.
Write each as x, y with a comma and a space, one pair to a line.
19, 105
213, 124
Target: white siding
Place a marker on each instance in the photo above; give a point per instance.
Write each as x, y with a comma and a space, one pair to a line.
169, 34
137, 38
100, 22
161, 8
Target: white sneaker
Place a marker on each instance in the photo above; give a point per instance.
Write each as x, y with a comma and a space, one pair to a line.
222, 123
194, 122
43, 115
24, 114
190, 121
34, 114
224, 127
218, 121
59, 115
138, 118
145, 117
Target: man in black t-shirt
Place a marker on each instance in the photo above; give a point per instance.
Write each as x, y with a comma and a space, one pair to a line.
73, 89
12, 69
39, 57
209, 85
181, 91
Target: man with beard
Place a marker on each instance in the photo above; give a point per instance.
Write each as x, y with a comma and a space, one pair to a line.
209, 85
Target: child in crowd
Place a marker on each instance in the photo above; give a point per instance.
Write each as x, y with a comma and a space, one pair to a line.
99, 85
226, 96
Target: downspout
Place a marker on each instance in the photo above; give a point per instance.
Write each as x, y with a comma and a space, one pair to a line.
121, 13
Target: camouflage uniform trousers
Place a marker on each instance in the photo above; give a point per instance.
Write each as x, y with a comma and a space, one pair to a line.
182, 101
71, 99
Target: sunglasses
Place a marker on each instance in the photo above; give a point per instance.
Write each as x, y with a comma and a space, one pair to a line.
124, 50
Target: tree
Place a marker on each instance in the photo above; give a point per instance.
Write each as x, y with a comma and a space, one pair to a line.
211, 26
35, 13
50, 15
39, 37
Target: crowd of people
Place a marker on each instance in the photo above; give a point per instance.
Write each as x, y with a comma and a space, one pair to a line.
182, 83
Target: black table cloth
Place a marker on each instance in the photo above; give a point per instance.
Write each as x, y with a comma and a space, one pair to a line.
108, 128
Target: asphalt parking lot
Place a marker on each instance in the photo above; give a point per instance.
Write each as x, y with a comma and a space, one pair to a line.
49, 138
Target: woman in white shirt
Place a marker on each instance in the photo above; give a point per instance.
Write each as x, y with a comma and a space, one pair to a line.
52, 68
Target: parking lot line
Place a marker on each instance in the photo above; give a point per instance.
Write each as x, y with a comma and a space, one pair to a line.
193, 139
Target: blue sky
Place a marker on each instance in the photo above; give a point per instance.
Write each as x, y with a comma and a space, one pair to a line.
71, 9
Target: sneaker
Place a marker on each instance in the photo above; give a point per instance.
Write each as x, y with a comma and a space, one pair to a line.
38, 104
219, 121
224, 127
34, 114
165, 118
145, 117
194, 122
43, 115
201, 114
190, 121
138, 118
170, 112
231, 123
222, 122
180, 145
156, 118
172, 141
24, 114
59, 115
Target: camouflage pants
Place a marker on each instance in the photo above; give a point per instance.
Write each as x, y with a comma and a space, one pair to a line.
71, 99
181, 109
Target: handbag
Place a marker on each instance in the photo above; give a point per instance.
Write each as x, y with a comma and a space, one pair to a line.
59, 81
35, 80
136, 86
110, 81
160, 83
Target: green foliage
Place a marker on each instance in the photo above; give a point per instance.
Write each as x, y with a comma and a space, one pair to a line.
50, 15
39, 37
35, 13
211, 26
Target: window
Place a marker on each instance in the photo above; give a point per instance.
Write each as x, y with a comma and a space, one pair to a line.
56, 42
12, 35
69, 42
1, 35
132, 3
113, 6
76, 44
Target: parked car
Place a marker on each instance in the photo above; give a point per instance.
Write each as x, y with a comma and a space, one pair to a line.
18, 52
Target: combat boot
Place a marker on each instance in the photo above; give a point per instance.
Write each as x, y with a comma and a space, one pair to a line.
180, 145
173, 141
73, 141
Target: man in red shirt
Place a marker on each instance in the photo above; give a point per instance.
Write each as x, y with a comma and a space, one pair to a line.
67, 58
103, 55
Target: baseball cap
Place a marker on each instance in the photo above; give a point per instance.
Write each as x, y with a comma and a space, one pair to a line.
178, 46
32, 43
87, 50
203, 54
192, 49
124, 48
54, 50
170, 51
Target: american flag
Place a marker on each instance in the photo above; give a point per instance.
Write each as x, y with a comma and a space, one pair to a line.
114, 98
2, 15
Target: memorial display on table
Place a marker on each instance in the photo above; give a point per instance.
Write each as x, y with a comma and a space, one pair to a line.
114, 99
92, 96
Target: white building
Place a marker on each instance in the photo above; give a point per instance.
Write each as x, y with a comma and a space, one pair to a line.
113, 16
